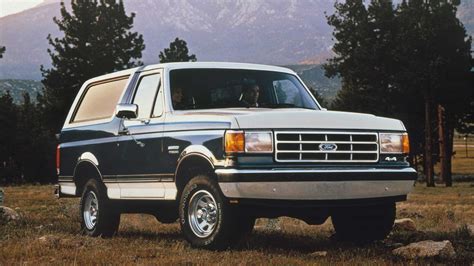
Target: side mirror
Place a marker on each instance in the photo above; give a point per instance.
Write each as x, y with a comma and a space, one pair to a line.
324, 109
128, 111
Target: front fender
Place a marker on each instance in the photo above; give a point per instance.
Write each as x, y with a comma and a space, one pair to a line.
198, 150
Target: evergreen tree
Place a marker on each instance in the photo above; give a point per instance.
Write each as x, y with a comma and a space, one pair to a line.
97, 40
434, 51
177, 52
32, 143
319, 98
8, 120
364, 58
402, 62
2, 51
465, 123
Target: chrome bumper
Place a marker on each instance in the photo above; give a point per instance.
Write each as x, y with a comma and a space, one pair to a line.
316, 184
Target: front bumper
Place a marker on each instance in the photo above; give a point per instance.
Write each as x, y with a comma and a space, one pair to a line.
316, 184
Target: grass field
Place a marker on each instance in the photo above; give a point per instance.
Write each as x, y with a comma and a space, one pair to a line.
463, 159
438, 213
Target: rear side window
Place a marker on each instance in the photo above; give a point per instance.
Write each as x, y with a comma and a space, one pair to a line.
100, 100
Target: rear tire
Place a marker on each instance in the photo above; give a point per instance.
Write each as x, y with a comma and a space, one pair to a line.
206, 219
98, 216
364, 224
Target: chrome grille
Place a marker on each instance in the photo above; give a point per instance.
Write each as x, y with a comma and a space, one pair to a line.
326, 147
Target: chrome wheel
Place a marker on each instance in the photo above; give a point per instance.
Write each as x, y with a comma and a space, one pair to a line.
202, 213
91, 208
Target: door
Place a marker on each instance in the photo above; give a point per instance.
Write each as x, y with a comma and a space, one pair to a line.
140, 144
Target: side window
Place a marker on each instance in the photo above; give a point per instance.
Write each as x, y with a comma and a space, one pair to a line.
99, 101
145, 95
287, 92
158, 108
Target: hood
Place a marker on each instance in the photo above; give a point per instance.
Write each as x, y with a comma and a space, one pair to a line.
294, 118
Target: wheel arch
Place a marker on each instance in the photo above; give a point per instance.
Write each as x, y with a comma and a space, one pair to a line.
193, 160
85, 169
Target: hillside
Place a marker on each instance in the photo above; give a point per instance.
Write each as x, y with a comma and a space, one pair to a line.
255, 31
312, 76
466, 15
18, 87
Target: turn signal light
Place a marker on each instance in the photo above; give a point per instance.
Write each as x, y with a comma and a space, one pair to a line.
234, 141
405, 144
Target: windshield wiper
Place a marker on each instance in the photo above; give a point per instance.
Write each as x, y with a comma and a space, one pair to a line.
284, 105
278, 105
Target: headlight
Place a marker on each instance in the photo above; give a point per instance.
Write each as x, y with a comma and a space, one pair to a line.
258, 142
238, 141
394, 143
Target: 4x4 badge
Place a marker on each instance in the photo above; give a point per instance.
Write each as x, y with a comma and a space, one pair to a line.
327, 147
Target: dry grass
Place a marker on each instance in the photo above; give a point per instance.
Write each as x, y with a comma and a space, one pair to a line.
438, 212
462, 164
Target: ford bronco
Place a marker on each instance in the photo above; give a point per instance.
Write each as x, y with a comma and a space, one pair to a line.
217, 145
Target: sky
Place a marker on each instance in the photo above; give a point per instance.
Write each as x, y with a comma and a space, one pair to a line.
8, 7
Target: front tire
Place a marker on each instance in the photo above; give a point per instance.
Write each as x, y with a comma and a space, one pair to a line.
206, 219
364, 224
98, 217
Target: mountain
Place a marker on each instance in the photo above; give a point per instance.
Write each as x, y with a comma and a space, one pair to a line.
466, 15
279, 32
312, 76
257, 31
18, 87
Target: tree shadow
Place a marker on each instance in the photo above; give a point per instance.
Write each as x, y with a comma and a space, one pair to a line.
168, 235
271, 241
275, 241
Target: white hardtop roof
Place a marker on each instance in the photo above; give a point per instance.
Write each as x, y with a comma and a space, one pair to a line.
113, 75
222, 65
190, 65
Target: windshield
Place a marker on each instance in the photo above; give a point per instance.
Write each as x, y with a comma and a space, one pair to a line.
226, 88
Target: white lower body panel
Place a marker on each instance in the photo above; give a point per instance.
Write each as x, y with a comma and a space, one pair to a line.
143, 191
67, 188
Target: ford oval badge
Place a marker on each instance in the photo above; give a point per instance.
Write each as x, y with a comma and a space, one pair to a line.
327, 147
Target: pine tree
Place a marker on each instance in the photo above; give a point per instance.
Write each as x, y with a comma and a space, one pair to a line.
177, 52
321, 100
97, 40
403, 62
8, 120
32, 143
434, 51
363, 40
465, 123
